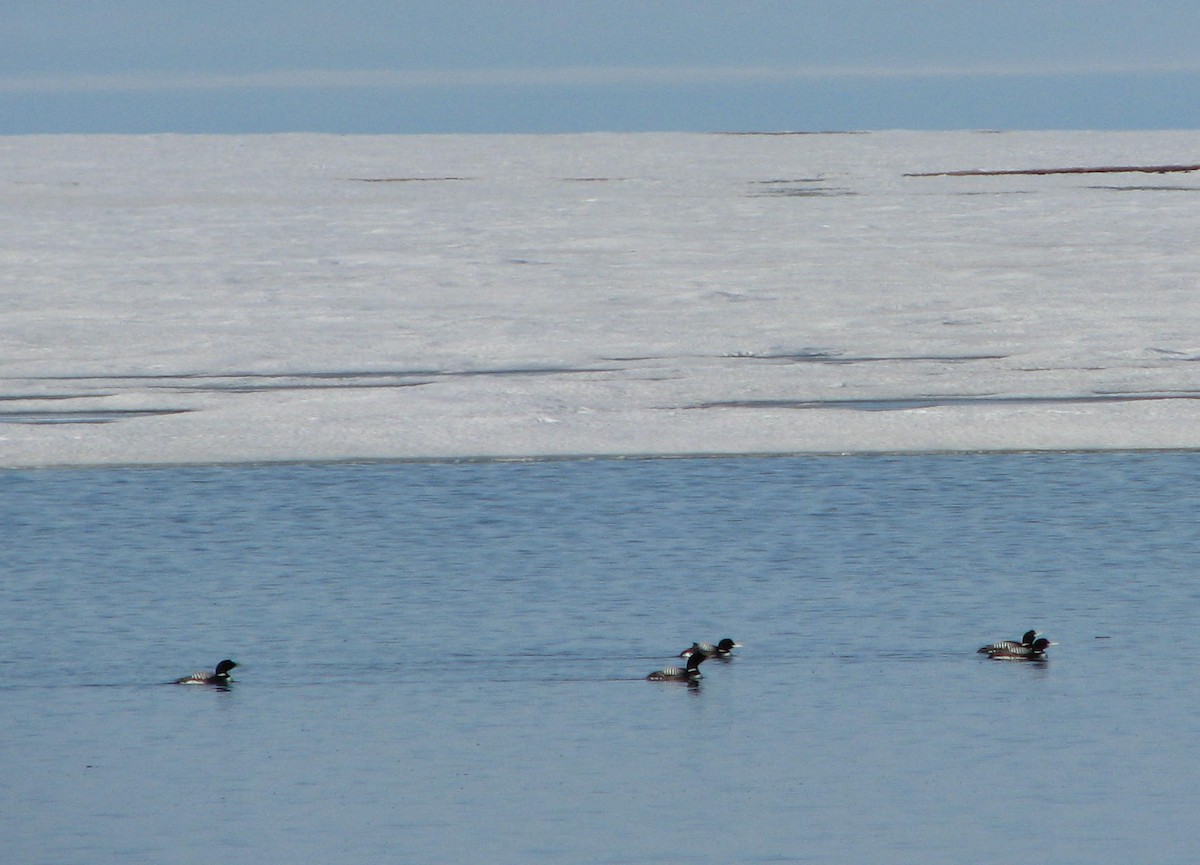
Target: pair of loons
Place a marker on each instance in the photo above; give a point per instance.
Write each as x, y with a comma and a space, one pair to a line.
1030, 647
219, 676
696, 654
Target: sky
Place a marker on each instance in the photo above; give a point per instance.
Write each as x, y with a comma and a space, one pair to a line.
535, 66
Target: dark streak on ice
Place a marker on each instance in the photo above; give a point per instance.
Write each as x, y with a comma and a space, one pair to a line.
908, 403
89, 416
235, 383
834, 358
804, 192
406, 179
343, 378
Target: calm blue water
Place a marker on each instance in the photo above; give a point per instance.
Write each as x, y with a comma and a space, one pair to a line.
443, 663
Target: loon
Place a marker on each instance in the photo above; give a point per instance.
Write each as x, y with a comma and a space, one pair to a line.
219, 676
1004, 645
1033, 652
723, 649
689, 674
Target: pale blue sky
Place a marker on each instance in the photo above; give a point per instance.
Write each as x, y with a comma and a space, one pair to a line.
409, 66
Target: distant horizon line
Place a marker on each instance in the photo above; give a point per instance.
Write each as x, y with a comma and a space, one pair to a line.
565, 76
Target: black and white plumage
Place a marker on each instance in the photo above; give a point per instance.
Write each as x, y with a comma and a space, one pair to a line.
690, 673
1025, 642
1036, 651
723, 649
219, 676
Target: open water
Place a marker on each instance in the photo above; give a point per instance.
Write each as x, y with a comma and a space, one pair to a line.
444, 663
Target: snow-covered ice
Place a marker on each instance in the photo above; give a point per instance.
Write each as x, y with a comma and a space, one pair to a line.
187, 299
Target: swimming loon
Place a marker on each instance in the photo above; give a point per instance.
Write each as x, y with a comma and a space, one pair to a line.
219, 676
723, 649
1001, 645
1033, 652
691, 673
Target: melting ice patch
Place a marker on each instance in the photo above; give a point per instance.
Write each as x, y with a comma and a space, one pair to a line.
241, 298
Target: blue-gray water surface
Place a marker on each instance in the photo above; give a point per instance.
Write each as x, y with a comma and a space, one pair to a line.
444, 663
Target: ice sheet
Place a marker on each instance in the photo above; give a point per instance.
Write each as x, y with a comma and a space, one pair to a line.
189, 299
